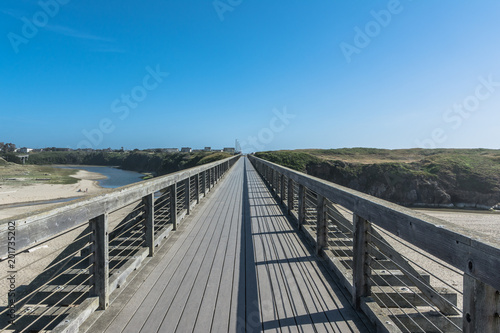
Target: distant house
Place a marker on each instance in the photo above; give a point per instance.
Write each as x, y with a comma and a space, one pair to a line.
229, 150
186, 150
208, 149
171, 150
25, 150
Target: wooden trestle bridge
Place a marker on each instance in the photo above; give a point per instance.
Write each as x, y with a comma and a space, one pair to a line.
244, 245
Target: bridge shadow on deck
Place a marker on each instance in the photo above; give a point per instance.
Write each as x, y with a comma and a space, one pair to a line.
248, 301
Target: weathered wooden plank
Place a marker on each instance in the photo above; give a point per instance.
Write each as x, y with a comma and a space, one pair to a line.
321, 225
481, 307
361, 260
290, 197
173, 205
302, 207
185, 305
100, 260
149, 221
221, 309
201, 301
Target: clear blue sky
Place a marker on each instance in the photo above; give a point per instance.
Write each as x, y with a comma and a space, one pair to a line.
273, 74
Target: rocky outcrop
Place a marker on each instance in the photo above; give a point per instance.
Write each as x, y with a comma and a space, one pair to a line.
408, 185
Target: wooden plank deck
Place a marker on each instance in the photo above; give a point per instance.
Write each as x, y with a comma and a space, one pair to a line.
235, 265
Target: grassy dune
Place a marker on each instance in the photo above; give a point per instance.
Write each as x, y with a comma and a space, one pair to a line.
19, 175
407, 176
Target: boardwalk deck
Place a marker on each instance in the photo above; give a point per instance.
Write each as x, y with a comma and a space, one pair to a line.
236, 264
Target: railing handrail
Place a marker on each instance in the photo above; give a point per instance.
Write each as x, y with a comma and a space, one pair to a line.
29, 227
478, 255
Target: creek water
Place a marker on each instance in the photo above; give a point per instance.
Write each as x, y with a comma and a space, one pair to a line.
114, 177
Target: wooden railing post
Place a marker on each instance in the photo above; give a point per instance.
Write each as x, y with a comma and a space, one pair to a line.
197, 187
282, 187
361, 260
302, 206
187, 194
481, 306
204, 183
173, 205
271, 180
100, 260
209, 174
149, 221
321, 224
290, 196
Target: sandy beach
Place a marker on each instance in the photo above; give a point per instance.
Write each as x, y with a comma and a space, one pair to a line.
12, 194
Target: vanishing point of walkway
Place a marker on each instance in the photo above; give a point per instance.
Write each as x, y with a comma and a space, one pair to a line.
235, 265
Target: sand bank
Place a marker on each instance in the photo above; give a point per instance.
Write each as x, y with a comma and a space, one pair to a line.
11, 194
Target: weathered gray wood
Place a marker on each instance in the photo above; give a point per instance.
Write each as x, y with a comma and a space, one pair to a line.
282, 188
100, 260
302, 206
204, 183
74, 320
361, 260
187, 195
321, 225
32, 229
378, 316
271, 179
481, 307
427, 290
197, 187
210, 179
290, 196
173, 205
149, 221
450, 243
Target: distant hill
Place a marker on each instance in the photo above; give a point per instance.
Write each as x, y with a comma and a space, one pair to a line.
412, 177
3, 162
140, 161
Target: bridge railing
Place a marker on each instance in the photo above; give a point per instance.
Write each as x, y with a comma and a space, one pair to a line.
62, 264
407, 271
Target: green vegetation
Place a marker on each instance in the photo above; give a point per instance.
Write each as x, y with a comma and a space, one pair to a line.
152, 164
296, 160
19, 175
407, 176
140, 161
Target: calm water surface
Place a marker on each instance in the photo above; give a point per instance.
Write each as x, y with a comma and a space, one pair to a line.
115, 177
